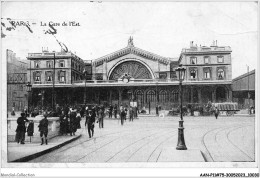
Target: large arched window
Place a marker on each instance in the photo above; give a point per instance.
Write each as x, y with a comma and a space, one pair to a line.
150, 96
163, 96
134, 69
175, 95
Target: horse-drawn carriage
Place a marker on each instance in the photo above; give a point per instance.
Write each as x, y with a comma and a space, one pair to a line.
229, 108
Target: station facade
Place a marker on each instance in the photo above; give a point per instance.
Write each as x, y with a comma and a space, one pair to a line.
133, 74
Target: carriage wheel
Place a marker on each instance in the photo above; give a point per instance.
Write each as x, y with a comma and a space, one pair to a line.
229, 113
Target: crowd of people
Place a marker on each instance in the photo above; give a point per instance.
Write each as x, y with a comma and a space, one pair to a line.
70, 118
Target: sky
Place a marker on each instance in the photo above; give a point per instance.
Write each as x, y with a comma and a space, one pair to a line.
163, 28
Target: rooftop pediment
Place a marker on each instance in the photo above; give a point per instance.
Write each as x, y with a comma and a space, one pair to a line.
131, 49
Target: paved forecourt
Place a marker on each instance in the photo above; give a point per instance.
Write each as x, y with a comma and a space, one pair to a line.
153, 139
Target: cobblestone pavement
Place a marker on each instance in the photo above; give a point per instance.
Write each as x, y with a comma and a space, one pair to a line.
223, 140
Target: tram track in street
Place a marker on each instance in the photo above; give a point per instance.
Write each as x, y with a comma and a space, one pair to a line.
210, 153
106, 145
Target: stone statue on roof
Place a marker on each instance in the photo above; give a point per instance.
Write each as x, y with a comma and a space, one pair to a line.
130, 41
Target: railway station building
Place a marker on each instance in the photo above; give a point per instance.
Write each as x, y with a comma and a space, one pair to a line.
132, 74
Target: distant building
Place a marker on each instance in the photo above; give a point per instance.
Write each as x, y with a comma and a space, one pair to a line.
244, 90
44, 75
17, 96
208, 74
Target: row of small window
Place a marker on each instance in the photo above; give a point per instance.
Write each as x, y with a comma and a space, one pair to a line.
193, 60
207, 73
49, 76
49, 64
163, 96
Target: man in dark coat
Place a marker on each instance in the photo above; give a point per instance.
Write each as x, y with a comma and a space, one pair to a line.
131, 113
73, 122
216, 112
157, 110
63, 124
43, 128
115, 111
100, 118
90, 123
122, 115
82, 111
21, 129
110, 111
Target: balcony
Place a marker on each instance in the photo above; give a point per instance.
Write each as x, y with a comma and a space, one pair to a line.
130, 81
206, 49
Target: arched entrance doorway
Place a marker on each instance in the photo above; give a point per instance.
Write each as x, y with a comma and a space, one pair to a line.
134, 69
221, 94
206, 94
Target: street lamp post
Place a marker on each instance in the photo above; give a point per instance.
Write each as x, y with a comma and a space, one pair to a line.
181, 142
29, 89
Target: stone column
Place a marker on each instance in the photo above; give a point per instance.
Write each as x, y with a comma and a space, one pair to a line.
120, 96
230, 98
199, 95
132, 95
98, 97
110, 96
191, 93
214, 95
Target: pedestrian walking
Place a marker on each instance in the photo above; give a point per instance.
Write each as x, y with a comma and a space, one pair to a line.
73, 122
43, 129
131, 114
157, 110
135, 109
90, 123
122, 116
63, 124
115, 111
21, 129
78, 119
216, 112
110, 111
82, 111
100, 118
12, 112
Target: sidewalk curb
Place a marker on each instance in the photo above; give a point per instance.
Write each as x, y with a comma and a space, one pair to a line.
36, 155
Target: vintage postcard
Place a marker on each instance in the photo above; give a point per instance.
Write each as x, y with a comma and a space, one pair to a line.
140, 85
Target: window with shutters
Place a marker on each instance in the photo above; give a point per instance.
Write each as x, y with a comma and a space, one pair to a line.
49, 64
193, 73
193, 60
37, 77
48, 76
62, 63
220, 74
207, 73
36, 64
206, 60
220, 59
62, 75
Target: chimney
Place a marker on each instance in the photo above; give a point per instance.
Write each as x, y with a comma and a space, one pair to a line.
191, 44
